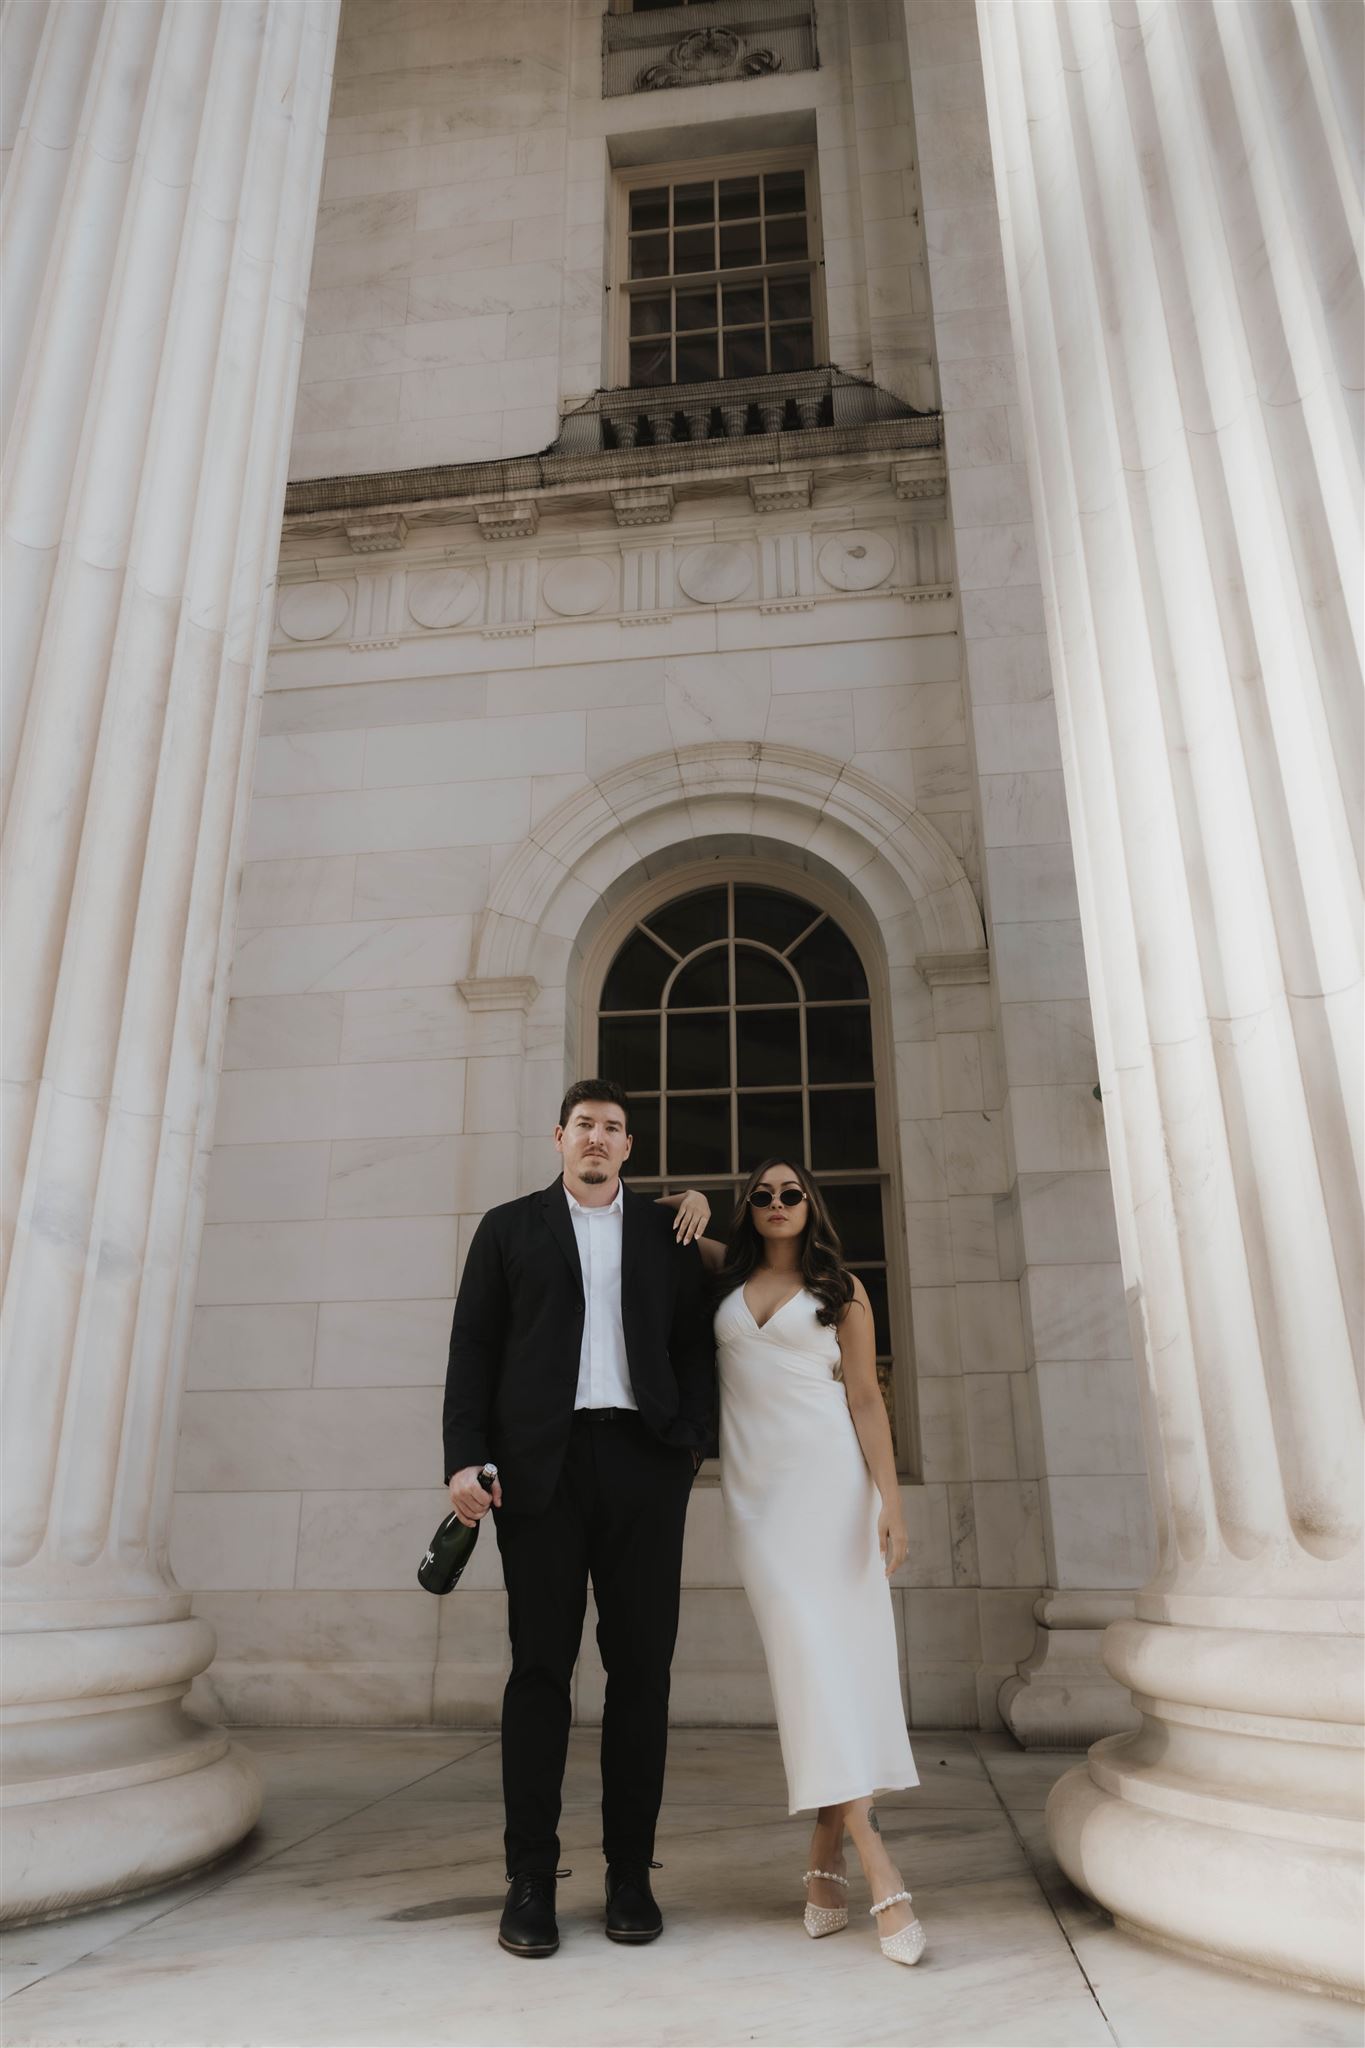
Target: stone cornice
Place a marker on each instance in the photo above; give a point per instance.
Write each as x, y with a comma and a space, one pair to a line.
501, 502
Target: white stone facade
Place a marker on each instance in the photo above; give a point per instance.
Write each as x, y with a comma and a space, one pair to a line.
474, 749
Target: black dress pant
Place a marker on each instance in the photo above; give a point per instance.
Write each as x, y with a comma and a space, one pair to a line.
616, 1519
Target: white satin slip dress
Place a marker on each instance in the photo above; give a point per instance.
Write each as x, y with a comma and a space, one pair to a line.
801, 1510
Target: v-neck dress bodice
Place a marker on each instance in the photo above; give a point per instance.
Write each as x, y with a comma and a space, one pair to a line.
801, 1512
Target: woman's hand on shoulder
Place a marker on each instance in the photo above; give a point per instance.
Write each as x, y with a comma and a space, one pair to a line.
692, 1213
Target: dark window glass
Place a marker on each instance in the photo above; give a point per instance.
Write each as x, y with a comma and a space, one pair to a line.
738, 198
875, 1283
761, 979
699, 1134
789, 298
769, 915
702, 982
843, 1129
839, 1044
649, 313
829, 966
696, 309
649, 255
746, 353
629, 1051
637, 977
699, 1051
651, 362
693, 204
739, 248
857, 1211
769, 1123
768, 1046
743, 304
698, 358
793, 348
691, 921
649, 209
786, 238
693, 249
644, 1128
784, 192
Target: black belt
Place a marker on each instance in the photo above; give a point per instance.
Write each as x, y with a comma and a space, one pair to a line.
605, 1414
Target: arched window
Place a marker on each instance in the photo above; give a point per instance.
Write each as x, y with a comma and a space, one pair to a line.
739, 1020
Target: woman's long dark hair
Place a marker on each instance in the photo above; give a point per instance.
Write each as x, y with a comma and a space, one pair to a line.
822, 1257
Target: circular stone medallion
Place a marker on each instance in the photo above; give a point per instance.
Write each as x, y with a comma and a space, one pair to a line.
577, 586
856, 561
310, 611
717, 574
443, 597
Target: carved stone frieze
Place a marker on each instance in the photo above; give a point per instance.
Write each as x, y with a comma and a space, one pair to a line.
772, 567
709, 56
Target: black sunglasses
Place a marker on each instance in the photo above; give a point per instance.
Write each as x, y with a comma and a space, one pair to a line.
790, 1198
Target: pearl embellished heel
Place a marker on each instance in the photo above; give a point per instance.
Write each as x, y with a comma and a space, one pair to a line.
909, 1943
825, 1919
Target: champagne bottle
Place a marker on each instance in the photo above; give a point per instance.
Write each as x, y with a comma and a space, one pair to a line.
452, 1546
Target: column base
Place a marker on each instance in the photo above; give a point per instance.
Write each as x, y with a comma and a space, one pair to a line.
110, 1788
1229, 1825
1061, 1696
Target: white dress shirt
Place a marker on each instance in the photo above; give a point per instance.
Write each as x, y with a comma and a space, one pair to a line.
603, 1374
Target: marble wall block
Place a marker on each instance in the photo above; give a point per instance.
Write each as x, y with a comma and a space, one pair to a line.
235, 1540
260, 1345
1009, 1532
944, 1449
323, 1659
267, 1183
283, 1031
285, 1440
379, 1344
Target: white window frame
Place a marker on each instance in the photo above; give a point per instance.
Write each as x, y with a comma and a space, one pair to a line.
687, 172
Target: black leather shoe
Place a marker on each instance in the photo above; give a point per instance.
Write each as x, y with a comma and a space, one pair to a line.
632, 1914
528, 1926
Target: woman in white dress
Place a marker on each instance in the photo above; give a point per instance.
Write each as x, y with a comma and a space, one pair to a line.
809, 1481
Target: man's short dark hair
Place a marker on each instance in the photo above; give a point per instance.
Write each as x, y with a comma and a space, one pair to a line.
593, 1091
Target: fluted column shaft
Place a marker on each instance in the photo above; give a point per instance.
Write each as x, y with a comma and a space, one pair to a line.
1179, 187
158, 210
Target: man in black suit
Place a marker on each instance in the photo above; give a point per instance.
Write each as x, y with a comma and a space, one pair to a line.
582, 1364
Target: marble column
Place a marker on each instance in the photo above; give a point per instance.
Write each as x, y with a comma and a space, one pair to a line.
1180, 201
159, 206
1076, 1427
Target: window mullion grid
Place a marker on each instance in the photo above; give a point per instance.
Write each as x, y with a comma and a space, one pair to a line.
805, 1073
733, 1024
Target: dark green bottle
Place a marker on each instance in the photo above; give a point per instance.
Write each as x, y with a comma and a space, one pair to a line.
452, 1546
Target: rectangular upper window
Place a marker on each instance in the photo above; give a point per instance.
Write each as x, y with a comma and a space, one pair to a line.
717, 269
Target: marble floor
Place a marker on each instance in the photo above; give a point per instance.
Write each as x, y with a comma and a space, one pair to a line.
361, 1914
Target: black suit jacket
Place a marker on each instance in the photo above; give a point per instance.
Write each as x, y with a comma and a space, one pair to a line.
517, 1336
